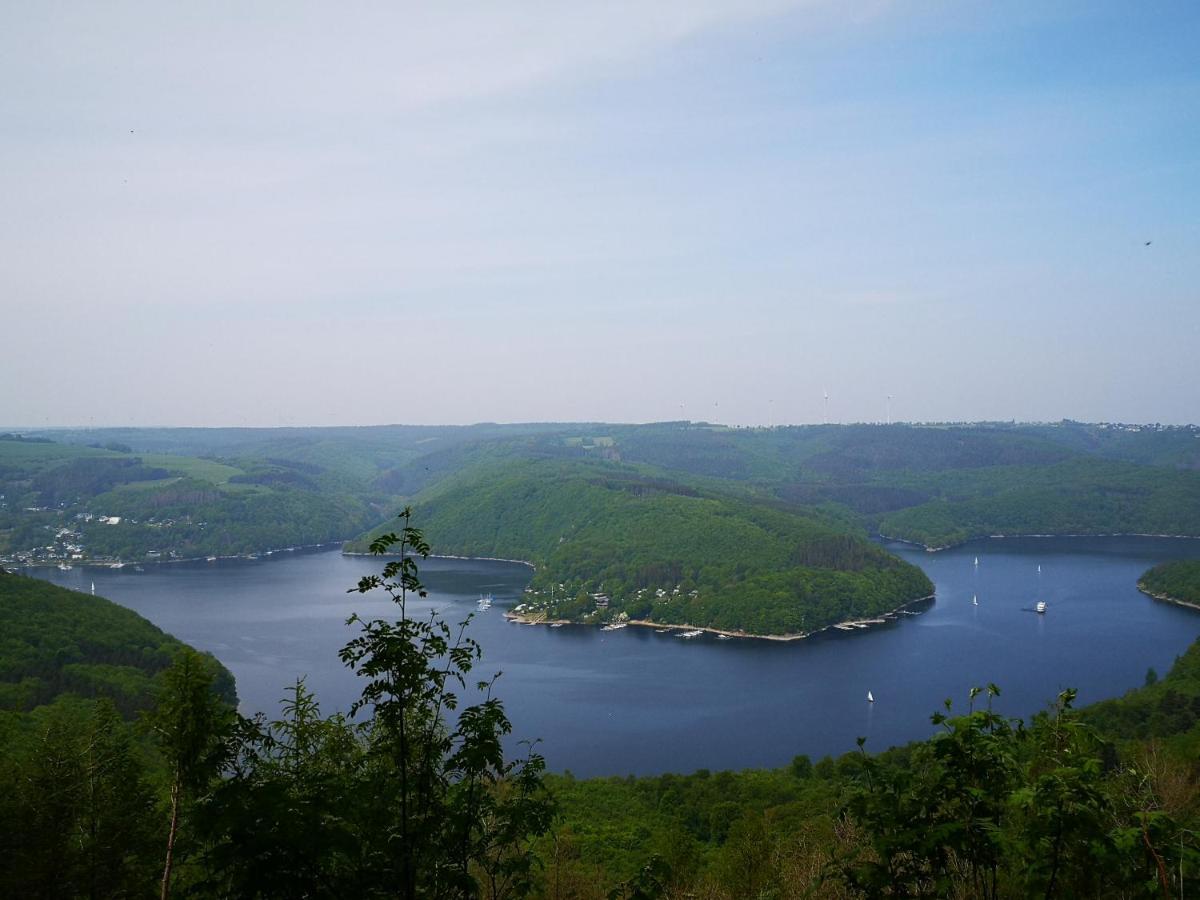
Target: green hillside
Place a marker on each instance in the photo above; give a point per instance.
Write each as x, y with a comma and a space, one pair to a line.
105, 723
1078, 496
200, 492
54, 641
64, 502
1178, 580
718, 561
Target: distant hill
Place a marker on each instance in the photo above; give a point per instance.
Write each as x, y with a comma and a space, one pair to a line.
1078, 496
718, 561
63, 501
936, 484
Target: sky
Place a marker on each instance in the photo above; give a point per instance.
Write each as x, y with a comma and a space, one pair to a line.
291, 213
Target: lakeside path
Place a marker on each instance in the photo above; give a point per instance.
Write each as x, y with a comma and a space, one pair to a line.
848, 624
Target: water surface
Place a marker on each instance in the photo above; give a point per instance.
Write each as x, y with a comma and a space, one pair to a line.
633, 701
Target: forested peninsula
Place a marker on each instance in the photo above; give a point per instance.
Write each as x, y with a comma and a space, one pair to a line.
612, 544
1177, 582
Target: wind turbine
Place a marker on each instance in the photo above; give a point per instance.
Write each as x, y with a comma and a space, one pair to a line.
825, 415
889, 409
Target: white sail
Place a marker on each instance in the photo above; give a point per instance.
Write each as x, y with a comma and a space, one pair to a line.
870, 699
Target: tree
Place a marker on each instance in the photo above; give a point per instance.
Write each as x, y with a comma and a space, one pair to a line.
288, 817
77, 810
190, 723
462, 812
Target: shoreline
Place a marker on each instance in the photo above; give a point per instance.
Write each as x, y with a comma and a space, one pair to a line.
108, 564
523, 562
1001, 537
852, 624
1167, 598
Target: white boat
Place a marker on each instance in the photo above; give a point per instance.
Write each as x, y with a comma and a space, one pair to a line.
116, 565
688, 635
556, 624
977, 560
975, 600
870, 697
615, 626
93, 589
65, 567
485, 602
212, 559
1041, 607
1039, 568
724, 637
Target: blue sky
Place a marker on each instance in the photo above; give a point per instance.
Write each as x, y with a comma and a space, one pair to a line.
385, 213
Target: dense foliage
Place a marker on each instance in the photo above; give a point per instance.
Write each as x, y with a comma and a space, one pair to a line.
1166, 709
665, 552
987, 807
54, 641
1178, 580
416, 801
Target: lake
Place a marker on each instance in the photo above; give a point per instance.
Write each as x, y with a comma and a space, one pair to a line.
633, 701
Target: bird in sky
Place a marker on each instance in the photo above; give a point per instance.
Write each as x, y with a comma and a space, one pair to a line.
1148, 243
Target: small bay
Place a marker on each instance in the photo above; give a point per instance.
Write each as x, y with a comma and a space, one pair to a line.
634, 701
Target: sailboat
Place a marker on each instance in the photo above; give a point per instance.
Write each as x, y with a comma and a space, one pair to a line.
93, 589
870, 698
977, 560
975, 600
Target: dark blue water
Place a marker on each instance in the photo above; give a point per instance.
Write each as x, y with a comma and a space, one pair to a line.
634, 701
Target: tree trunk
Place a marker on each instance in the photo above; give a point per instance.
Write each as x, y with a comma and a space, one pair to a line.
166, 879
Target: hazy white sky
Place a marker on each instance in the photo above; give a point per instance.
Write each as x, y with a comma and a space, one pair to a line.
301, 213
